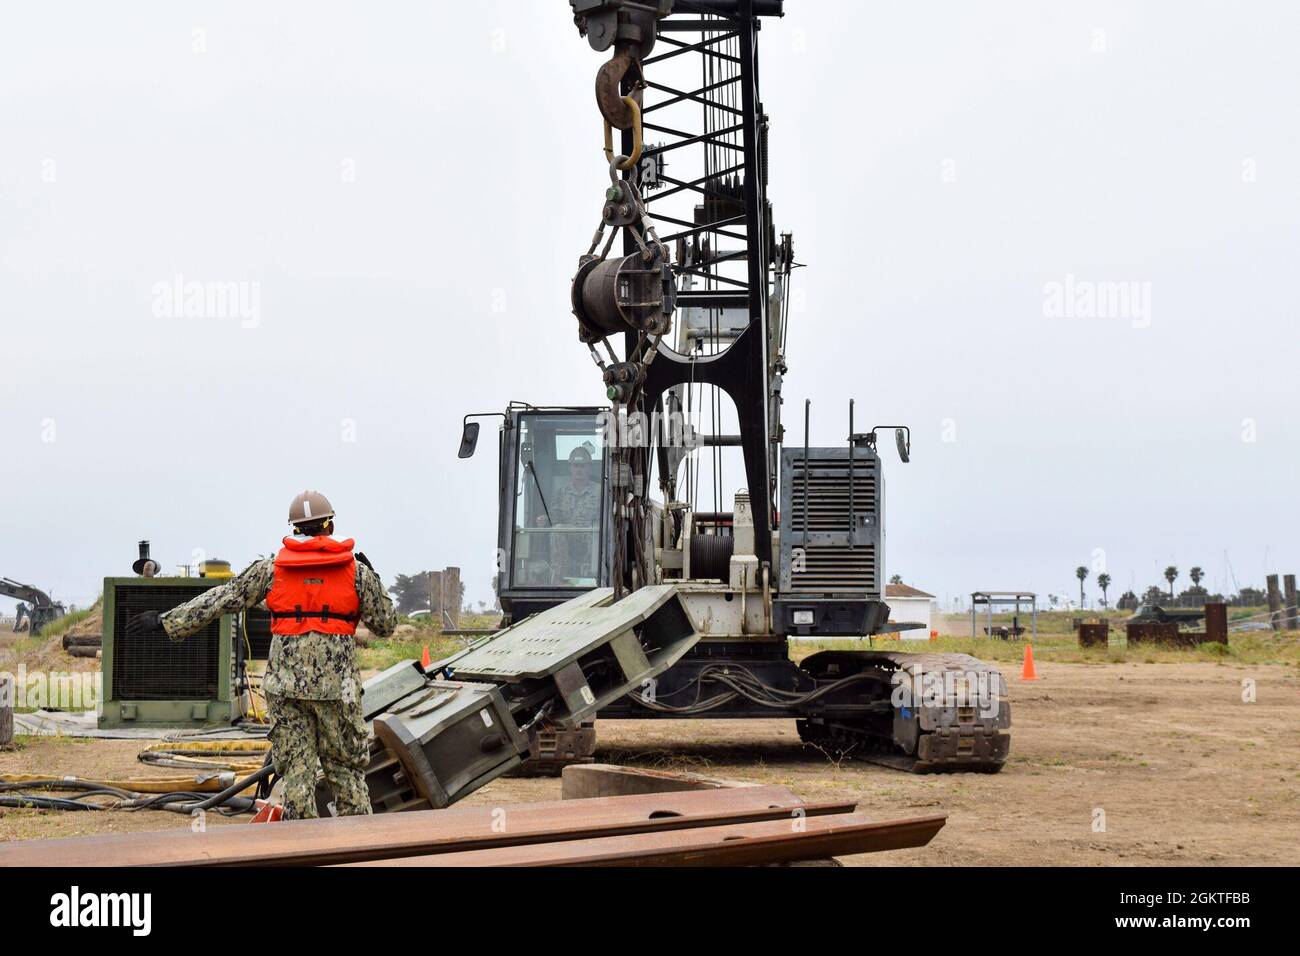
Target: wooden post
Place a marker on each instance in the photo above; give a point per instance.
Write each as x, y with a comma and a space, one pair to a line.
1292, 612
435, 595
1274, 603
451, 596
6, 709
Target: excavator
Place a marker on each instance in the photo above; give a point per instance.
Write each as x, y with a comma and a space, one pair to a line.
34, 605
630, 588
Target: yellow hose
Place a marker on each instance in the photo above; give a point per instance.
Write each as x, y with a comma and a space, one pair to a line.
248, 647
242, 756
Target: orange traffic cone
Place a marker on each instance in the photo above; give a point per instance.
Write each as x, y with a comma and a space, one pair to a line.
424, 658
1028, 672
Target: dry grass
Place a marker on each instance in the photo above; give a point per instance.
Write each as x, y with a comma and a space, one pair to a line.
414, 634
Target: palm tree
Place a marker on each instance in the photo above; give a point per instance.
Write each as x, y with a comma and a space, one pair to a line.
1103, 582
1196, 574
1082, 574
1171, 575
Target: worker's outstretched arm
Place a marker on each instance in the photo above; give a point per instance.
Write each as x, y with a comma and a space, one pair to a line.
377, 611
243, 592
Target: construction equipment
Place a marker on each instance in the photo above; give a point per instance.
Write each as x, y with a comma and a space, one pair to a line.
801, 552
1155, 614
35, 606
150, 681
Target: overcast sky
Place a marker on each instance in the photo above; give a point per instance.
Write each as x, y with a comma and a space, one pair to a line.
403, 190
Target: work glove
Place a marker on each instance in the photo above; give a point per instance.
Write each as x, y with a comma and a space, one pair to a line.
150, 622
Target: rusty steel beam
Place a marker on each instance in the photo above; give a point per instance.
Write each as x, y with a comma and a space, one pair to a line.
1094, 635
421, 832
1216, 623
1152, 634
748, 844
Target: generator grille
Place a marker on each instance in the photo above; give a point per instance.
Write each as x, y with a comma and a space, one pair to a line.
151, 667
825, 487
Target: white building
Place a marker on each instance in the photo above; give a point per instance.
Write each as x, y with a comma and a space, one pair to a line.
909, 605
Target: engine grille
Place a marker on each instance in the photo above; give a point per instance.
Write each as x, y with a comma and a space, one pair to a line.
825, 486
830, 522
151, 667
834, 569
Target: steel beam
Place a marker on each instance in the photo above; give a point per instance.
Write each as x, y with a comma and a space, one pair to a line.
737, 844
387, 836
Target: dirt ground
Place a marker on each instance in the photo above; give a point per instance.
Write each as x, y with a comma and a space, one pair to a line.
1121, 764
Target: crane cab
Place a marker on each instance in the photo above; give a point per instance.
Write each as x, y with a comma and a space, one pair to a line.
553, 528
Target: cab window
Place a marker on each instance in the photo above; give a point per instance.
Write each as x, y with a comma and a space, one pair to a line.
559, 491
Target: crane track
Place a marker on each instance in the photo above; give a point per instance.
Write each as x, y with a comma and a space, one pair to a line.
955, 722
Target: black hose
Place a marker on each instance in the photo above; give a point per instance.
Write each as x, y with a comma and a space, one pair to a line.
178, 801
33, 802
53, 783
188, 802
266, 783
235, 788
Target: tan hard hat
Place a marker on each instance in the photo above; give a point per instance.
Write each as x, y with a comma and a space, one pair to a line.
310, 506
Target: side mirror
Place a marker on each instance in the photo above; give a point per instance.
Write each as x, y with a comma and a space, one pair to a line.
469, 440
904, 444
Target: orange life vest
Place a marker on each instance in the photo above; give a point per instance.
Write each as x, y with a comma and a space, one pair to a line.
315, 588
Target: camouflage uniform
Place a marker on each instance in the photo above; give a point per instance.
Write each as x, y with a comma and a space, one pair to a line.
312, 686
577, 507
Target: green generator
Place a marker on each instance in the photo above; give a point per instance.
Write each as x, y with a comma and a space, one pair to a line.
149, 681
